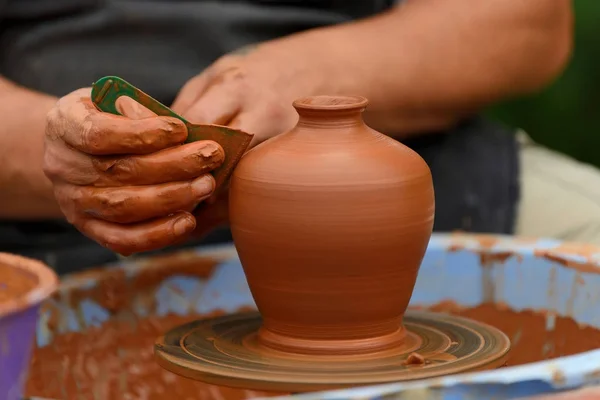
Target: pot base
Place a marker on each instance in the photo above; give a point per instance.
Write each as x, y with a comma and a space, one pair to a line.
226, 351
331, 347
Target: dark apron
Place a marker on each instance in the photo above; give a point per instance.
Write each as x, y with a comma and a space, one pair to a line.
56, 46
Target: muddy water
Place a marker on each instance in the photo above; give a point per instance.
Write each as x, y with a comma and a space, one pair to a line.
116, 360
15, 282
530, 340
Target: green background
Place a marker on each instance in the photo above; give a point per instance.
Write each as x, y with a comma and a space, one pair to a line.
566, 116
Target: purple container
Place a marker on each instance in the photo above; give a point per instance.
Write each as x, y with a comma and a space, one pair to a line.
18, 318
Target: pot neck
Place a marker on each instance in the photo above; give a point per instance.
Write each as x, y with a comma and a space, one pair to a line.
330, 111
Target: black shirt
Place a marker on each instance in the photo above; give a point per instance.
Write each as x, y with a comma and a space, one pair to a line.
57, 46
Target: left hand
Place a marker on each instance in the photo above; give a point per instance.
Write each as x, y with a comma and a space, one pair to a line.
252, 91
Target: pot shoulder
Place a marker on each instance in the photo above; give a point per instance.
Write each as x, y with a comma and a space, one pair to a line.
295, 159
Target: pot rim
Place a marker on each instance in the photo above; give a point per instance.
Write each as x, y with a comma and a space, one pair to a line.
46, 285
331, 102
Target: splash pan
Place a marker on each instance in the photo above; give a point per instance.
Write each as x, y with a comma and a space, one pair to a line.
96, 335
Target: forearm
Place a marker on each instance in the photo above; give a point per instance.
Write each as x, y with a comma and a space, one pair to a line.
428, 63
25, 192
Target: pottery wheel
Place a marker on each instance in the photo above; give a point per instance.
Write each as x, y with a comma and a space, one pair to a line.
225, 351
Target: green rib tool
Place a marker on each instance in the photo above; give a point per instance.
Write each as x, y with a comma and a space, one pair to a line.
107, 90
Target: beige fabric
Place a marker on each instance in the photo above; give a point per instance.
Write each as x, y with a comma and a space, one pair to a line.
560, 196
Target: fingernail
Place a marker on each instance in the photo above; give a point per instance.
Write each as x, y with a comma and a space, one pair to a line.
182, 226
203, 186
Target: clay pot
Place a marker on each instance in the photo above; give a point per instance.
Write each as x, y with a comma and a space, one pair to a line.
331, 221
24, 284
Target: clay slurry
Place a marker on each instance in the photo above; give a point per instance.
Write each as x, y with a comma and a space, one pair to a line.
116, 360
19, 277
15, 282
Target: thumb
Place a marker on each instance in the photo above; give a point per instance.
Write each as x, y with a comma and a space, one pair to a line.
130, 108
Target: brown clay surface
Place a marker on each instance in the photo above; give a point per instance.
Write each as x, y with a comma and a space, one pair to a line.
23, 281
115, 292
92, 362
530, 340
116, 362
301, 206
15, 282
586, 253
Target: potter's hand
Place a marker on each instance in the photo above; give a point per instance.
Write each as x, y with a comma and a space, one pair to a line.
126, 181
252, 91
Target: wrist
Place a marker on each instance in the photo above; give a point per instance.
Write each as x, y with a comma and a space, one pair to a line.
25, 190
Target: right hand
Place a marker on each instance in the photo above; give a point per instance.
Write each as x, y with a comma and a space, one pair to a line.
127, 182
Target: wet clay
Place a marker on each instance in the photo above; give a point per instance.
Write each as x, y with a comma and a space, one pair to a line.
415, 359
116, 360
15, 283
115, 292
530, 339
578, 256
19, 277
331, 221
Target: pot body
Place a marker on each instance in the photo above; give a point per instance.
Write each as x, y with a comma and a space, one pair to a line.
331, 221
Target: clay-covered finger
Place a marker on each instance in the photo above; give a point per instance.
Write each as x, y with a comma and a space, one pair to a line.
181, 163
128, 204
77, 121
127, 239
